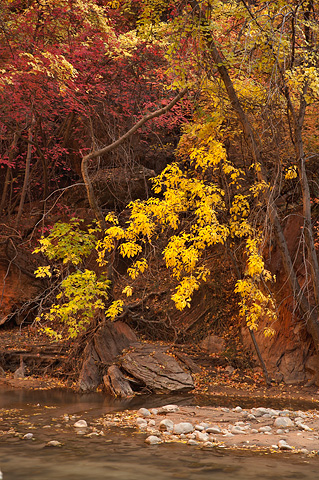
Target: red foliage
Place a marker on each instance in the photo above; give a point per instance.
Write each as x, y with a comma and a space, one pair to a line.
66, 68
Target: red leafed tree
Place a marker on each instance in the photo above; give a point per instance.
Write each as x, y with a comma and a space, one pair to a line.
73, 76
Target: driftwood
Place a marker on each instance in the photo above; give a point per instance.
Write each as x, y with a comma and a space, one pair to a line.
115, 357
116, 384
158, 371
109, 341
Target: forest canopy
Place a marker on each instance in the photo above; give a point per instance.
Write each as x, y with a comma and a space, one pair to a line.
225, 95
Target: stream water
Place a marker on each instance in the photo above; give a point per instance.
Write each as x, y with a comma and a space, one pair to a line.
121, 454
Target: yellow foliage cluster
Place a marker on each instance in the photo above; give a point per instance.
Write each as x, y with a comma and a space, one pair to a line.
254, 303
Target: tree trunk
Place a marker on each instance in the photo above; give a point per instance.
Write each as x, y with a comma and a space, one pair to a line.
311, 316
26, 175
8, 172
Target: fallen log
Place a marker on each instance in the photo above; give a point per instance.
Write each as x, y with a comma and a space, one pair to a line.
116, 384
158, 371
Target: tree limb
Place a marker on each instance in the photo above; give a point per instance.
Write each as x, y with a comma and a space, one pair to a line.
112, 146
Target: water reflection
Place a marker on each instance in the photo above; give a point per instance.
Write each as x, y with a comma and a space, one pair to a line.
64, 397
123, 454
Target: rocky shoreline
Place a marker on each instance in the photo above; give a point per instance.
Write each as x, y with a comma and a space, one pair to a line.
237, 428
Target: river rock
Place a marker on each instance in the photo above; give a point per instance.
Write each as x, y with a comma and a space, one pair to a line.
141, 422
236, 430
200, 428
283, 422
214, 429
168, 409
166, 425
238, 409
250, 416
267, 428
28, 436
144, 412
302, 426
208, 444
53, 443
259, 412
80, 424
201, 436
192, 442
283, 445
153, 440
183, 427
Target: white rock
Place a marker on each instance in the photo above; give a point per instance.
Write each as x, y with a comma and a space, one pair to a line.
283, 445
267, 428
253, 430
302, 426
192, 442
236, 430
54, 443
224, 409
214, 429
144, 412
208, 444
275, 447
237, 409
304, 451
200, 428
153, 440
302, 414
205, 425
279, 431
151, 423
154, 411
183, 427
284, 413
141, 422
273, 413
166, 425
201, 437
283, 422
260, 411
28, 436
250, 416
80, 424
168, 409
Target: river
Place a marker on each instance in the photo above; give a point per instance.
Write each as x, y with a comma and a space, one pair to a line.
120, 455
